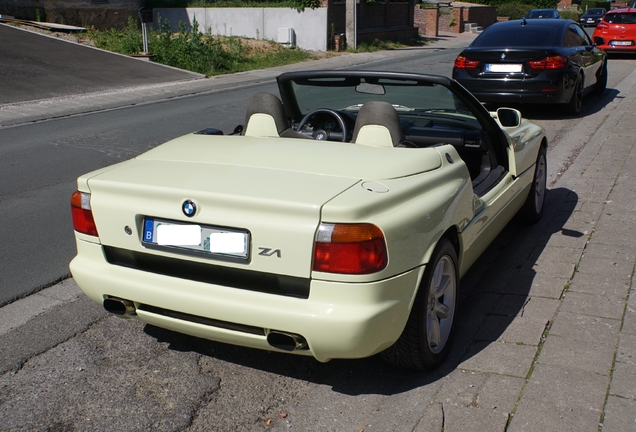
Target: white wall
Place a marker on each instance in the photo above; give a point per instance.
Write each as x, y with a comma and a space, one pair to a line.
310, 26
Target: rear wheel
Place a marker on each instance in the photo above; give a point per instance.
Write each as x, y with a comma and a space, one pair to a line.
425, 341
576, 101
532, 210
601, 80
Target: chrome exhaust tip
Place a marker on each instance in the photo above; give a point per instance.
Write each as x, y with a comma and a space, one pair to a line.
118, 306
286, 341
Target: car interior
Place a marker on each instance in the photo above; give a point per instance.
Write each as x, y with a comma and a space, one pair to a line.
378, 123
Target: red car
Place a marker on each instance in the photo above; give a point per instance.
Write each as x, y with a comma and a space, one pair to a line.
616, 33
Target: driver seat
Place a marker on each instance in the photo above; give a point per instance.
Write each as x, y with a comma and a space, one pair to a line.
378, 124
266, 118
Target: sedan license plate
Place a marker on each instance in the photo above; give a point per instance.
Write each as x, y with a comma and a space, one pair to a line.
490, 67
205, 240
621, 43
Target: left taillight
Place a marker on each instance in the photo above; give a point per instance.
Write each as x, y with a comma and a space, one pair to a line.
350, 249
83, 221
462, 62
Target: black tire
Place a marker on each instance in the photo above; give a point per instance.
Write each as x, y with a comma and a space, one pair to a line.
601, 80
425, 341
532, 210
576, 101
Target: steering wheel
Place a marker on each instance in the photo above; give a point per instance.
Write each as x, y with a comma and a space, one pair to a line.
321, 134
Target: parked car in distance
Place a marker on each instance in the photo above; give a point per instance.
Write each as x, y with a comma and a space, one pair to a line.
543, 14
616, 33
592, 17
533, 61
335, 224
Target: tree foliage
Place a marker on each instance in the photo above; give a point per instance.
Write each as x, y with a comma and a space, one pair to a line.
535, 4
299, 5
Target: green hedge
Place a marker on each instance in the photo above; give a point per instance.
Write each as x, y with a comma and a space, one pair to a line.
294, 4
587, 4
513, 10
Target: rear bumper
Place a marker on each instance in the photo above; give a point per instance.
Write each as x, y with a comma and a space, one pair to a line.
338, 320
546, 88
612, 49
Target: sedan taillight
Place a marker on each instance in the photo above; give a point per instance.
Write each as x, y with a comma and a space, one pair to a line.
550, 62
349, 249
462, 62
602, 26
83, 221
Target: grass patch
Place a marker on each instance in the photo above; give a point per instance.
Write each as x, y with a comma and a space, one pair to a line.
199, 52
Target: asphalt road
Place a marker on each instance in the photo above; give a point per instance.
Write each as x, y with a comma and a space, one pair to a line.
40, 161
87, 371
37, 67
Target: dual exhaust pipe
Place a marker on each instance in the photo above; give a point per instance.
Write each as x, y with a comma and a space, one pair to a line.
276, 339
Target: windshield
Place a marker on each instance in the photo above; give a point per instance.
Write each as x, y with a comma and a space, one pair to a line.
621, 18
350, 94
541, 14
518, 36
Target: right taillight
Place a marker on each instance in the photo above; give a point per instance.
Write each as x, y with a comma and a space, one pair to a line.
550, 62
462, 62
350, 249
83, 221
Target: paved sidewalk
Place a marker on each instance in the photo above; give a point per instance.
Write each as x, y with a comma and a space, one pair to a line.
584, 374
559, 337
553, 345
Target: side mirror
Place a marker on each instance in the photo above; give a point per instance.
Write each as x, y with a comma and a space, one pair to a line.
508, 117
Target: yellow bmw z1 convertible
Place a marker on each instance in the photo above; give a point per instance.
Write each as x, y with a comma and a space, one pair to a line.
335, 223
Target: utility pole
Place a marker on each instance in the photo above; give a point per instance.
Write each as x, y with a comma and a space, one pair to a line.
351, 24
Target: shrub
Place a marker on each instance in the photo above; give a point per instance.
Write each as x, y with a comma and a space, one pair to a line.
127, 41
195, 51
570, 14
294, 4
514, 10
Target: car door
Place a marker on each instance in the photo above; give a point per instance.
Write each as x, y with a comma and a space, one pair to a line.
583, 52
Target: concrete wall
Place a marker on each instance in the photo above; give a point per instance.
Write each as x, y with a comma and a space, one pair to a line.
310, 26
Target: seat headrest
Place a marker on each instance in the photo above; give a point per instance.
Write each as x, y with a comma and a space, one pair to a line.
378, 124
265, 116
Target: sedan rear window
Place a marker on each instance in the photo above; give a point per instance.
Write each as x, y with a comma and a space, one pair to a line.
518, 37
621, 18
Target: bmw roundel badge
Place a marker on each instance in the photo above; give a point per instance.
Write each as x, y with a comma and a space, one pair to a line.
189, 208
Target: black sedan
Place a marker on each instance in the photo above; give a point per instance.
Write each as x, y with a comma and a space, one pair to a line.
543, 14
592, 17
533, 61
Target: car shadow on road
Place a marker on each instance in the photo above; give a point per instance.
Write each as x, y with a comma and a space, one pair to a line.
504, 274
592, 104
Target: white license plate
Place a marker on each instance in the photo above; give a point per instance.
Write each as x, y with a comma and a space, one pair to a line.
621, 43
503, 67
198, 239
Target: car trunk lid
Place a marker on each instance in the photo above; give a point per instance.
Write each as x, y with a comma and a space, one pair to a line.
272, 189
